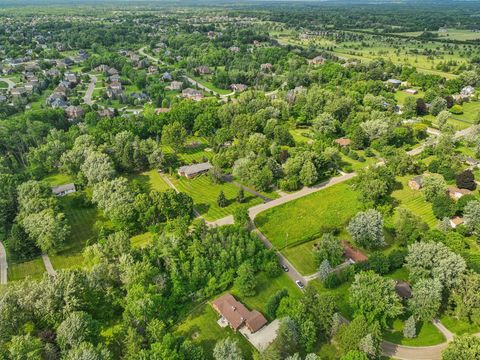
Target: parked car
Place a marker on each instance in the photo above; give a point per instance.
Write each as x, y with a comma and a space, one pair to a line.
299, 284
285, 268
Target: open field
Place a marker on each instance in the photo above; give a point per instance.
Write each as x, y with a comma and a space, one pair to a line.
451, 34
58, 179
301, 136
414, 201
3, 85
459, 327
306, 218
190, 154
205, 194
82, 222
151, 180
471, 111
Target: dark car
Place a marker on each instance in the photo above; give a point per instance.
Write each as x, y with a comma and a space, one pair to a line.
285, 268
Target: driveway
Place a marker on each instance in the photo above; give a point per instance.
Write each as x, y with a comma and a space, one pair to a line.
263, 337
89, 93
3, 265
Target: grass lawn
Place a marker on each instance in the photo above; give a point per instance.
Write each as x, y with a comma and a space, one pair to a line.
58, 179
82, 221
266, 287
302, 136
306, 218
356, 164
470, 111
399, 274
427, 335
151, 180
205, 193
414, 201
459, 327
191, 154
210, 85
3, 85
141, 240
32, 268
201, 328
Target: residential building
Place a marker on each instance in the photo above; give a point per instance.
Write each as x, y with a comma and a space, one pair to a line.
190, 171
416, 183
63, 190
192, 94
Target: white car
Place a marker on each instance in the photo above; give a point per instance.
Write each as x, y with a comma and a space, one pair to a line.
299, 284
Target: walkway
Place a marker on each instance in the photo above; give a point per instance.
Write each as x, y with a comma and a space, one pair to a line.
89, 93
9, 82
3, 265
48, 265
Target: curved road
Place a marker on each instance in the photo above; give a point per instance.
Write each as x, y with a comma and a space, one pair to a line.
3, 265
9, 82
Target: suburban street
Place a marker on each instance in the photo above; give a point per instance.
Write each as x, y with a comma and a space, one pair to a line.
89, 93
3, 265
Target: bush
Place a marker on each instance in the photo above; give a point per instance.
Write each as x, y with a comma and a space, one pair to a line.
466, 180
289, 184
456, 109
464, 200
348, 168
331, 281
396, 259
443, 207
346, 274
272, 303
369, 153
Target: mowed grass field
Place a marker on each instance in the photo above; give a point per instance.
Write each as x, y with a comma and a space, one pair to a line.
305, 218
205, 193
32, 268
470, 112
427, 334
151, 180
82, 221
192, 153
414, 201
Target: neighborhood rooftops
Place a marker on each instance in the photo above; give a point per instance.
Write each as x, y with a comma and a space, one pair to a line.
237, 315
190, 171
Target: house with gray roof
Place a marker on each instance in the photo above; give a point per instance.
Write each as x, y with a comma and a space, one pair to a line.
190, 171
63, 190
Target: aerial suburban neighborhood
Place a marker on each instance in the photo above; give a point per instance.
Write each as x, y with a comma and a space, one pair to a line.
255, 180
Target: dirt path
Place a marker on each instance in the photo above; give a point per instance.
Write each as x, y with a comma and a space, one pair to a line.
48, 265
3, 265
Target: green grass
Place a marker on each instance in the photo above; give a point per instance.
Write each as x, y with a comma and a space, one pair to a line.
356, 164
201, 328
470, 112
341, 295
414, 201
205, 193
306, 218
301, 136
459, 327
82, 221
151, 180
3, 85
32, 268
427, 335
399, 274
210, 85
266, 287
58, 179
141, 240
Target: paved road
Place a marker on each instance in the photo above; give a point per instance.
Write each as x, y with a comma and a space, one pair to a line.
3, 265
9, 82
413, 352
48, 265
89, 93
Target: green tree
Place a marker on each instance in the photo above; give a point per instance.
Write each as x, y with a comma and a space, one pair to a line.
366, 229
77, 328
329, 248
174, 135
222, 200
25, 347
374, 297
463, 347
410, 329
245, 281
433, 185
426, 299
227, 349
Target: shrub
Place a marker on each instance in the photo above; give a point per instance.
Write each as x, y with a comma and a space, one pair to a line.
443, 206
331, 281
466, 180
272, 303
464, 200
396, 259
456, 109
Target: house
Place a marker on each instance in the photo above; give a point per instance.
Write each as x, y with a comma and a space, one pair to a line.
112, 71
106, 113
192, 94
353, 255
411, 91
455, 221
317, 60
53, 72
190, 171
234, 49
74, 112
266, 67
456, 193
102, 68
471, 161
467, 91
394, 82
63, 190
343, 142
238, 87
237, 315
403, 289
416, 183
202, 70
71, 78
18, 91
175, 85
